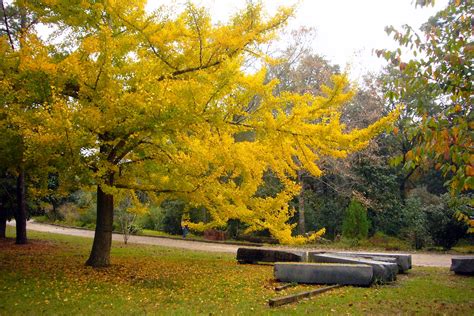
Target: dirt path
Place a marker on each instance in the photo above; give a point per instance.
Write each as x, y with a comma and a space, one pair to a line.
418, 259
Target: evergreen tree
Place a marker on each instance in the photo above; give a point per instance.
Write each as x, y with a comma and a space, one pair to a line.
356, 224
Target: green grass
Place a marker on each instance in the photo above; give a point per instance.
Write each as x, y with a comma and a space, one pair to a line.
150, 232
48, 276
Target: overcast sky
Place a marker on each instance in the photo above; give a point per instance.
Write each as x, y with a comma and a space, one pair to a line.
347, 30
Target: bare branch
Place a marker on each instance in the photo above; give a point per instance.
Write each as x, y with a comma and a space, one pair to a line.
7, 25
96, 83
198, 30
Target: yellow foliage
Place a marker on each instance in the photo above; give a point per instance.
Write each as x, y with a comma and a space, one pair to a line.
163, 105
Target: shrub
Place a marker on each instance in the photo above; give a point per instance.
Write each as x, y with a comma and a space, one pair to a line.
234, 228
173, 212
388, 219
355, 224
81, 210
66, 213
380, 240
416, 232
324, 211
430, 218
444, 228
153, 219
87, 218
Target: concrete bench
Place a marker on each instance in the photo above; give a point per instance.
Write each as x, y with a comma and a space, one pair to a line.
403, 260
383, 272
252, 255
463, 265
320, 273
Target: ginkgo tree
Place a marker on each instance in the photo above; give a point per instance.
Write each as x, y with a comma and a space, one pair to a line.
438, 81
154, 102
26, 149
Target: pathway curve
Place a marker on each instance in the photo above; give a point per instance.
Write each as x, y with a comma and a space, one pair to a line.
418, 259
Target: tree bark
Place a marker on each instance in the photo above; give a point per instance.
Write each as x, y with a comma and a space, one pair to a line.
100, 254
3, 227
3, 219
20, 214
301, 217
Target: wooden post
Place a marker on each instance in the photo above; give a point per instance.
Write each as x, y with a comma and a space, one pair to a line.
285, 286
274, 302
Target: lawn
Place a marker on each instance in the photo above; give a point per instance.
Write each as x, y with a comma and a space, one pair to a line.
48, 276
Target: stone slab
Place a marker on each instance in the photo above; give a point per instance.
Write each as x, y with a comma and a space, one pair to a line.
463, 265
252, 255
383, 272
403, 260
320, 273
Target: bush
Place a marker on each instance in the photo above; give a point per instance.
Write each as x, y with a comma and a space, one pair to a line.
380, 240
80, 210
87, 218
167, 217
235, 228
355, 224
388, 219
416, 232
152, 220
54, 215
431, 219
379, 184
173, 212
444, 228
324, 211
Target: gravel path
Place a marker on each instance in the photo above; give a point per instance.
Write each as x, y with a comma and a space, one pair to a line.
418, 259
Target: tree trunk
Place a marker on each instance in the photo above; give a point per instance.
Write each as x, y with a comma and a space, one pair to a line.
301, 218
20, 214
3, 227
402, 188
404, 182
3, 220
100, 254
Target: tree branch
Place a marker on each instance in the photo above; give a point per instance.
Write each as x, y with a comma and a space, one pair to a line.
184, 71
151, 188
150, 44
198, 30
112, 155
128, 149
7, 26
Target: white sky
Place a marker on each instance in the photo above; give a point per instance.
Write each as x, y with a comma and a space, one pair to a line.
346, 30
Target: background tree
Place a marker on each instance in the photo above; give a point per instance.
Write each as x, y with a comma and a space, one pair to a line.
440, 79
128, 208
299, 70
25, 95
7, 200
367, 173
355, 224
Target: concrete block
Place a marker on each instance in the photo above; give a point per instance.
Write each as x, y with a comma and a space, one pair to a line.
403, 260
383, 272
463, 265
320, 273
252, 255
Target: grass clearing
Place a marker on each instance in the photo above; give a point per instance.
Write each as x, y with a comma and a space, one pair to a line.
48, 276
